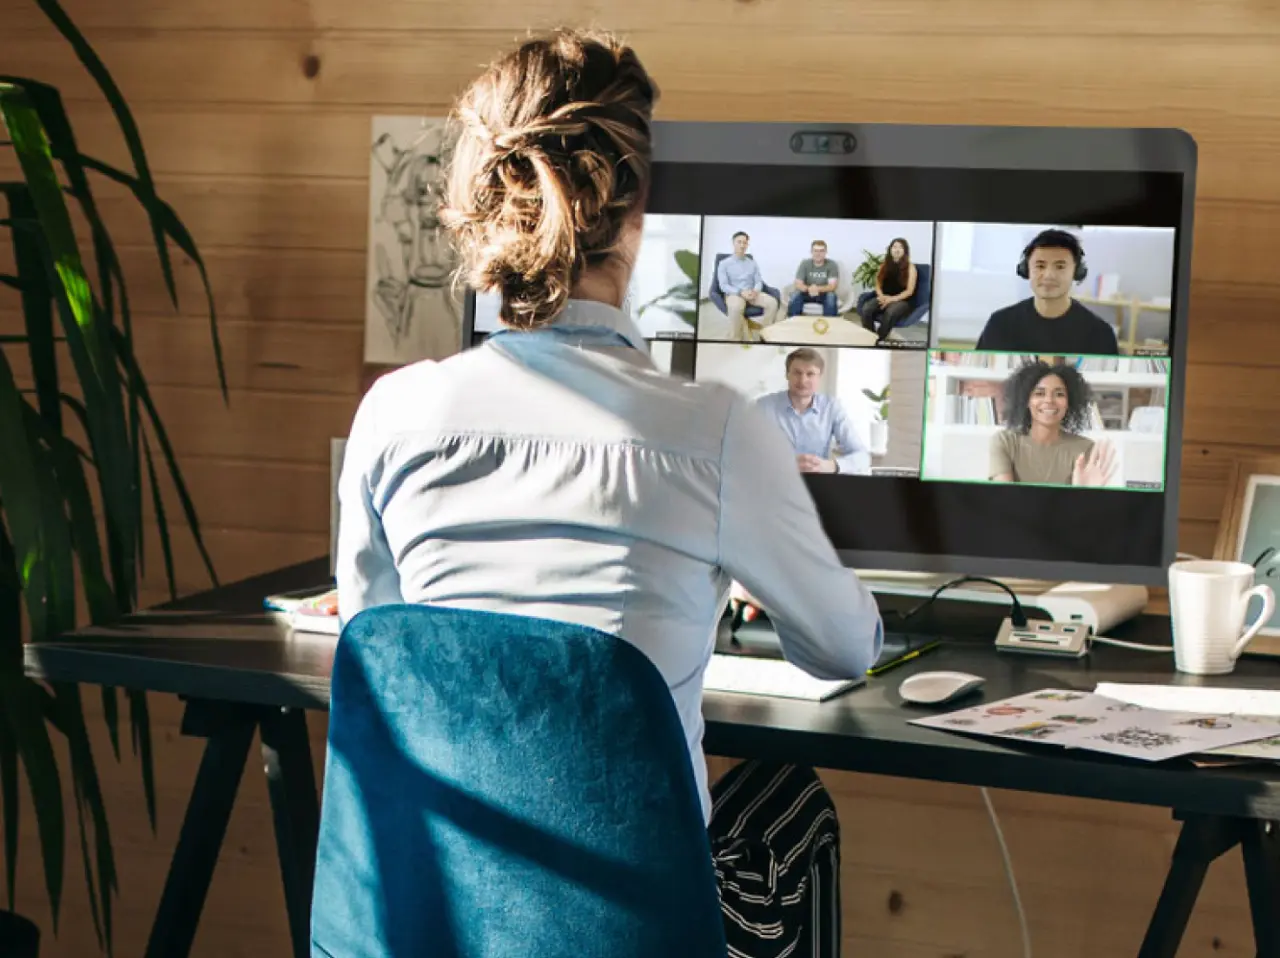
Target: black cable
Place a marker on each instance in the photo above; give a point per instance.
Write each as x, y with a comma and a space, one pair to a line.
1016, 615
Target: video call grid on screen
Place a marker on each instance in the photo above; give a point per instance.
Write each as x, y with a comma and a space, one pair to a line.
952, 432
924, 407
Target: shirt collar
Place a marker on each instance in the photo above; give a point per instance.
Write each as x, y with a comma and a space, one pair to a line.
815, 404
587, 312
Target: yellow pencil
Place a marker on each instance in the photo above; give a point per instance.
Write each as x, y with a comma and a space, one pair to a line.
915, 653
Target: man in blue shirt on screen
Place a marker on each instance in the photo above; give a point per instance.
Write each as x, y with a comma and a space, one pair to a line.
743, 286
813, 420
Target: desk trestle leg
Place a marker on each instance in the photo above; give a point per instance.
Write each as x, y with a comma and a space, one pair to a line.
295, 805
1203, 840
286, 752
1260, 843
229, 736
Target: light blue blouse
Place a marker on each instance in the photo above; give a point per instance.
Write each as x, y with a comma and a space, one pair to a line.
558, 473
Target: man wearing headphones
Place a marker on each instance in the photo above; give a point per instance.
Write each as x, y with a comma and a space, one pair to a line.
1050, 321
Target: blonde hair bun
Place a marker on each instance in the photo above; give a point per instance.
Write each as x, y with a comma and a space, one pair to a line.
552, 155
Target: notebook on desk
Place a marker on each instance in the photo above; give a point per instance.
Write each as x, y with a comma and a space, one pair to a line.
307, 610
753, 675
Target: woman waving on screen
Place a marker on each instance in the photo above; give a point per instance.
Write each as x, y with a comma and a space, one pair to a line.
1046, 407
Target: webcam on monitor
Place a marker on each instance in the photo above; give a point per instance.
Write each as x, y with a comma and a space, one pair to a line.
823, 141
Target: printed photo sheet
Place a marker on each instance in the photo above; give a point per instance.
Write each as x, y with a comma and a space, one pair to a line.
1086, 720
1266, 749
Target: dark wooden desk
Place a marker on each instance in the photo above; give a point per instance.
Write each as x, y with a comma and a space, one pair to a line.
240, 671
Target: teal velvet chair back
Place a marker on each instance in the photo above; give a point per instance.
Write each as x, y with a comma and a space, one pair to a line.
498, 786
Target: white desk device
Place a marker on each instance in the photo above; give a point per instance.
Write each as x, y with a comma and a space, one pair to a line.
1097, 606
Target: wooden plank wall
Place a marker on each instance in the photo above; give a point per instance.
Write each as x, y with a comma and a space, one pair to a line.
256, 114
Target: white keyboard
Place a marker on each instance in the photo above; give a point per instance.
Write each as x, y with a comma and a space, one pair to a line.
750, 675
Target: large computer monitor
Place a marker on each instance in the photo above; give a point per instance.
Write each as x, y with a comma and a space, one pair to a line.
963, 453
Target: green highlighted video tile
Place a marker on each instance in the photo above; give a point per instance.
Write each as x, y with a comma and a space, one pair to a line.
1046, 420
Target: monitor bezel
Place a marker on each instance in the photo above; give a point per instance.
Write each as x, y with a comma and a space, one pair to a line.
1024, 148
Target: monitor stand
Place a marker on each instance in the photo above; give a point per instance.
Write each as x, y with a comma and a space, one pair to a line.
1099, 606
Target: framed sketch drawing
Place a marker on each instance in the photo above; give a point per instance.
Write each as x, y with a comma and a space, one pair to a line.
1250, 532
412, 310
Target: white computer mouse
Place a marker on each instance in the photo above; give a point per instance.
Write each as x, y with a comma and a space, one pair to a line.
934, 688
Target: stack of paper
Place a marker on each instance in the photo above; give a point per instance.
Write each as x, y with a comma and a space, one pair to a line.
1258, 704
311, 610
1101, 723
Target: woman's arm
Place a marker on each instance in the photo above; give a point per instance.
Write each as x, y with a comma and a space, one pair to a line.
772, 542
911, 286
364, 568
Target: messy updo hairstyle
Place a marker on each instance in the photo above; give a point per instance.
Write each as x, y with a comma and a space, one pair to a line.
552, 157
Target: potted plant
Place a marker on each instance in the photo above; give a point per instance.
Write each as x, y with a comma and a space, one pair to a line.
880, 424
19, 937
75, 415
682, 298
866, 272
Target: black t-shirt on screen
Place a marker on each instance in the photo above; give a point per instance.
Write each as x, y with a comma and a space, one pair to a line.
1020, 329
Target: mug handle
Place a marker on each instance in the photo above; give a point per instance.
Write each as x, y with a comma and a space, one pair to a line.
1268, 598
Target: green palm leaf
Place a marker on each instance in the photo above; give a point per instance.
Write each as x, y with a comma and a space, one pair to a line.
47, 103
10, 664
689, 263
85, 774
91, 352
67, 459
37, 307
9, 796
158, 501
139, 385
42, 532
128, 127
20, 483
21, 708
48, 530
140, 723
174, 229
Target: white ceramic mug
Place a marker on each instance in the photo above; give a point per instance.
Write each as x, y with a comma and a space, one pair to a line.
1207, 605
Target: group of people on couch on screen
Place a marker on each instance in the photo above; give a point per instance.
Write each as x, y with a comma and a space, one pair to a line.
816, 280
1049, 320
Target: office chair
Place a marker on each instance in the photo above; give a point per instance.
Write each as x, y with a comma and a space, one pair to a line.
504, 786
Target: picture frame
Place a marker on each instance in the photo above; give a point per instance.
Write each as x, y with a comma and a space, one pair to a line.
413, 309
1250, 525
337, 449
